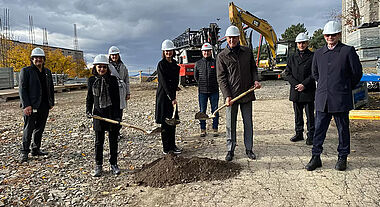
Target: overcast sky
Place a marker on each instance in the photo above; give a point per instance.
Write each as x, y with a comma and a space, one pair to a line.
138, 27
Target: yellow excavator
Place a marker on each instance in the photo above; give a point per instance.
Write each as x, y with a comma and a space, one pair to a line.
279, 51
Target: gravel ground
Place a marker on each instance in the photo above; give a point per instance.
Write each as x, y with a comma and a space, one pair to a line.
276, 178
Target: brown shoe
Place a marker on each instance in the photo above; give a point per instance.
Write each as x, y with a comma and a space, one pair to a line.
203, 133
216, 134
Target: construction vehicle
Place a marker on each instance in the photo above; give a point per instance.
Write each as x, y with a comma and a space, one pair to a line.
279, 51
189, 46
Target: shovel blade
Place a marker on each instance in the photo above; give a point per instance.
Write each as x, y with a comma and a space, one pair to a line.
201, 116
172, 122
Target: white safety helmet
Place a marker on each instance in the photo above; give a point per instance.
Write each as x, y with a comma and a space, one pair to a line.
113, 50
167, 45
302, 37
206, 46
37, 52
332, 27
100, 59
232, 31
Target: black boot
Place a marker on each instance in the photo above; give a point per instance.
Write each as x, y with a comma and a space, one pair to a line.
115, 169
341, 164
297, 137
250, 154
24, 157
309, 140
229, 156
98, 171
38, 152
314, 163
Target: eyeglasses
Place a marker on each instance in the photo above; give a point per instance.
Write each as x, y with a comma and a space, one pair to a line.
332, 35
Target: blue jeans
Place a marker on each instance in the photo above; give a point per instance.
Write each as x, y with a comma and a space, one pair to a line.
214, 99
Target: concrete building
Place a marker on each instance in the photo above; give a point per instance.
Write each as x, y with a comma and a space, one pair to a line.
361, 29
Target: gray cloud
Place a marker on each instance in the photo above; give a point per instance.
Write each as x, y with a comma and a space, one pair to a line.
139, 27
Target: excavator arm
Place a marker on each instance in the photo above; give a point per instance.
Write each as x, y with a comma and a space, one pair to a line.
238, 16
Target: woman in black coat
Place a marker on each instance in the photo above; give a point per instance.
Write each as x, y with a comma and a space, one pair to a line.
168, 79
103, 100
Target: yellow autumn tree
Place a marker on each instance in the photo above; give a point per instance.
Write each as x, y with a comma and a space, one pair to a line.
18, 56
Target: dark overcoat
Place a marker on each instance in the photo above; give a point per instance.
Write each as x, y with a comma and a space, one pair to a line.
298, 71
111, 112
30, 87
168, 79
337, 72
236, 73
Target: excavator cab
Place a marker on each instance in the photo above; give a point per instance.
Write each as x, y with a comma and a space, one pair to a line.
283, 51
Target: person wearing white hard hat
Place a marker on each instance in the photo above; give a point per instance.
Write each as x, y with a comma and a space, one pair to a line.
119, 70
302, 88
166, 96
237, 73
103, 100
36, 91
337, 70
205, 75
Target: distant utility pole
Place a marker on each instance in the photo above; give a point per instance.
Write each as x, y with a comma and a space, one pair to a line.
32, 36
4, 37
76, 46
45, 37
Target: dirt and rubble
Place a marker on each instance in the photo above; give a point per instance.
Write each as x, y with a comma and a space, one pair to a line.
276, 178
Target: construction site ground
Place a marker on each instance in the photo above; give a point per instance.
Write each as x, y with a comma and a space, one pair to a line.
276, 178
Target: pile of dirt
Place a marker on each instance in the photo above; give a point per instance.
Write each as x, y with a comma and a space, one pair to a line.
170, 170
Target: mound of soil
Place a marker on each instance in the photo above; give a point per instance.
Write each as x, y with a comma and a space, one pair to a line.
170, 170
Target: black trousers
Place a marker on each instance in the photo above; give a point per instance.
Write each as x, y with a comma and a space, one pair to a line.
34, 126
99, 146
168, 137
322, 124
298, 117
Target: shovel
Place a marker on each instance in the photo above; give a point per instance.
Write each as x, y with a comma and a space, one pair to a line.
203, 116
156, 130
173, 121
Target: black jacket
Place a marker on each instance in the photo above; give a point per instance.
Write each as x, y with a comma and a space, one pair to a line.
168, 79
205, 75
111, 112
30, 90
298, 71
337, 72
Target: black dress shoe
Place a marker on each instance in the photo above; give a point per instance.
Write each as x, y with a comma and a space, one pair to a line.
229, 156
98, 171
309, 141
341, 164
296, 138
115, 169
23, 157
250, 154
314, 163
39, 153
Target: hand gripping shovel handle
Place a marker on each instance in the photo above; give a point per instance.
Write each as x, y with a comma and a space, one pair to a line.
119, 123
233, 100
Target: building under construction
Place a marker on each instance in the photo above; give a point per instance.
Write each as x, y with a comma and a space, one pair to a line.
361, 29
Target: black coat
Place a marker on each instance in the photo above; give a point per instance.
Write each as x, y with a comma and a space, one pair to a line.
111, 112
168, 79
205, 75
298, 71
236, 73
337, 72
30, 87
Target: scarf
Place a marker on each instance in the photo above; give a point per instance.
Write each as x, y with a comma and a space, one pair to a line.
100, 90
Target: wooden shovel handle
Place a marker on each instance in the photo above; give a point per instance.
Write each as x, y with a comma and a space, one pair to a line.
233, 100
119, 123
174, 110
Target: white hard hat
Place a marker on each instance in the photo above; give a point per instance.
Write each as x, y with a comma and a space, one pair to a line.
113, 50
206, 46
332, 27
100, 59
232, 31
37, 52
167, 45
302, 37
